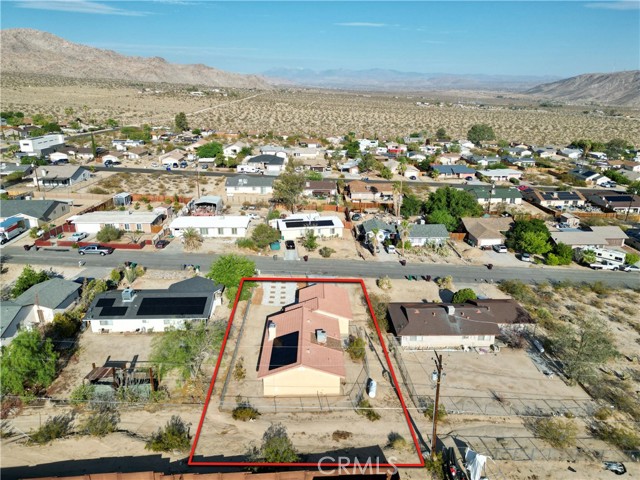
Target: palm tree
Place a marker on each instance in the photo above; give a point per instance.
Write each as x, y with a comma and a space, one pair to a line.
374, 240
404, 228
191, 239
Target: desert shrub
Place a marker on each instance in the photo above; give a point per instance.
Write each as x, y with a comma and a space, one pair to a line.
115, 276
602, 413
384, 283
56, 427
273, 214
435, 466
239, 372
98, 191
101, 422
599, 288
247, 243
341, 435
463, 295
557, 432
379, 304
174, 436
244, 412
10, 405
518, 290
618, 435
428, 410
397, 441
325, 252
445, 283
82, 394
108, 233
356, 348
514, 338
366, 410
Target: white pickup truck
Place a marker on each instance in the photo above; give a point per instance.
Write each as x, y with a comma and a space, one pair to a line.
605, 266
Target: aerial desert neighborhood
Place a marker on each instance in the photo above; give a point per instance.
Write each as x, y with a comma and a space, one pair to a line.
297, 240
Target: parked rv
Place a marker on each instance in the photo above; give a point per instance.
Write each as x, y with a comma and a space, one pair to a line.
11, 227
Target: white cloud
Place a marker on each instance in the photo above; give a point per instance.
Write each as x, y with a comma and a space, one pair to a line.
361, 24
78, 6
615, 5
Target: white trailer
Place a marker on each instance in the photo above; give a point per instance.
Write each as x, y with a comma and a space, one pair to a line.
11, 227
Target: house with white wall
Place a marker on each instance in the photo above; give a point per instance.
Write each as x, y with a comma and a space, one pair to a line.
42, 145
297, 225
188, 301
129, 221
212, 226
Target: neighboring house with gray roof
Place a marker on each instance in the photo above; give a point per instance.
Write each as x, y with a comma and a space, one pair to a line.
254, 184
475, 323
453, 171
60, 175
37, 212
7, 168
368, 226
38, 306
432, 234
270, 164
486, 195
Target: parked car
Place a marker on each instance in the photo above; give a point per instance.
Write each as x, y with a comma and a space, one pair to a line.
290, 245
76, 237
154, 165
468, 179
97, 249
500, 248
253, 216
525, 257
413, 177
161, 243
356, 216
391, 249
630, 268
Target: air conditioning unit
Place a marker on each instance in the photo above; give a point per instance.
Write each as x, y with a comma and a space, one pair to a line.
128, 294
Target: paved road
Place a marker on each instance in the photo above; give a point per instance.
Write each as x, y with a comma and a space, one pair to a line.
320, 267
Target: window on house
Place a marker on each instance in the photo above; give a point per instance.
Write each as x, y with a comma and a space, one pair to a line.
413, 338
220, 231
234, 231
465, 337
126, 227
204, 231
333, 231
139, 227
168, 321
106, 322
484, 337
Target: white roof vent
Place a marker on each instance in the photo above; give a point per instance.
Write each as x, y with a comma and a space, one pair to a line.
321, 336
271, 328
450, 309
128, 294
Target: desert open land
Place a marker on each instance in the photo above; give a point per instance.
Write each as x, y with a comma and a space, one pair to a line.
319, 112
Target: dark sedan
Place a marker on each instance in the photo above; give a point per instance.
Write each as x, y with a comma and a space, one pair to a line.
161, 243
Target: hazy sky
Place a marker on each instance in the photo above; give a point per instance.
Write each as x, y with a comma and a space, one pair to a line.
507, 37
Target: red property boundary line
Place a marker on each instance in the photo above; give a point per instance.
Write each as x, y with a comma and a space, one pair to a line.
191, 462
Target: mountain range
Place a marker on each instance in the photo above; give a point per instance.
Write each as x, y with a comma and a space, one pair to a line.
36, 52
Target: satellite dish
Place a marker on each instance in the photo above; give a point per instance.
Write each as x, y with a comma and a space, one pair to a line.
380, 236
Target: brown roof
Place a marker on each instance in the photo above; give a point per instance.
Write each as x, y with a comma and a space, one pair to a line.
319, 185
326, 299
475, 317
358, 186
487, 227
303, 321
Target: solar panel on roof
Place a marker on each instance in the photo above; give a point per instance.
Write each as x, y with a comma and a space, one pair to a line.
113, 311
172, 306
284, 351
105, 302
312, 223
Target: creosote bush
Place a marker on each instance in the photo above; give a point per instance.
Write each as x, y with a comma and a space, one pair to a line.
174, 436
365, 409
56, 427
245, 412
356, 348
557, 432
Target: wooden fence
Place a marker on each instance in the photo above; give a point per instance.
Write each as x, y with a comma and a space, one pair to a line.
138, 197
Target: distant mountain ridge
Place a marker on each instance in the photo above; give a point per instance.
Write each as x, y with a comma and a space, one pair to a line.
33, 51
394, 80
618, 88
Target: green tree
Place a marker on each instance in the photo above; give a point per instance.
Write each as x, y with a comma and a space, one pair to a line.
187, 349
445, 218
634, 188
480, 132
441, 134
310, 241
411, 205
111, 123
228, 270
174, 436
463, 295
367, 163
616, 148
530, 236
182, 125
313, 175
33, 161
631, 258
191, 239
209, 150
583, 346
563, 254
264, 235
108, 233
456, 203
27, 279
586, 257
356, 349
386, 173
288, 188
28, 364
404, 229
353, 149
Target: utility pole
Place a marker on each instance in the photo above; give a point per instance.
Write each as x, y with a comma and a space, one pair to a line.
436, 376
